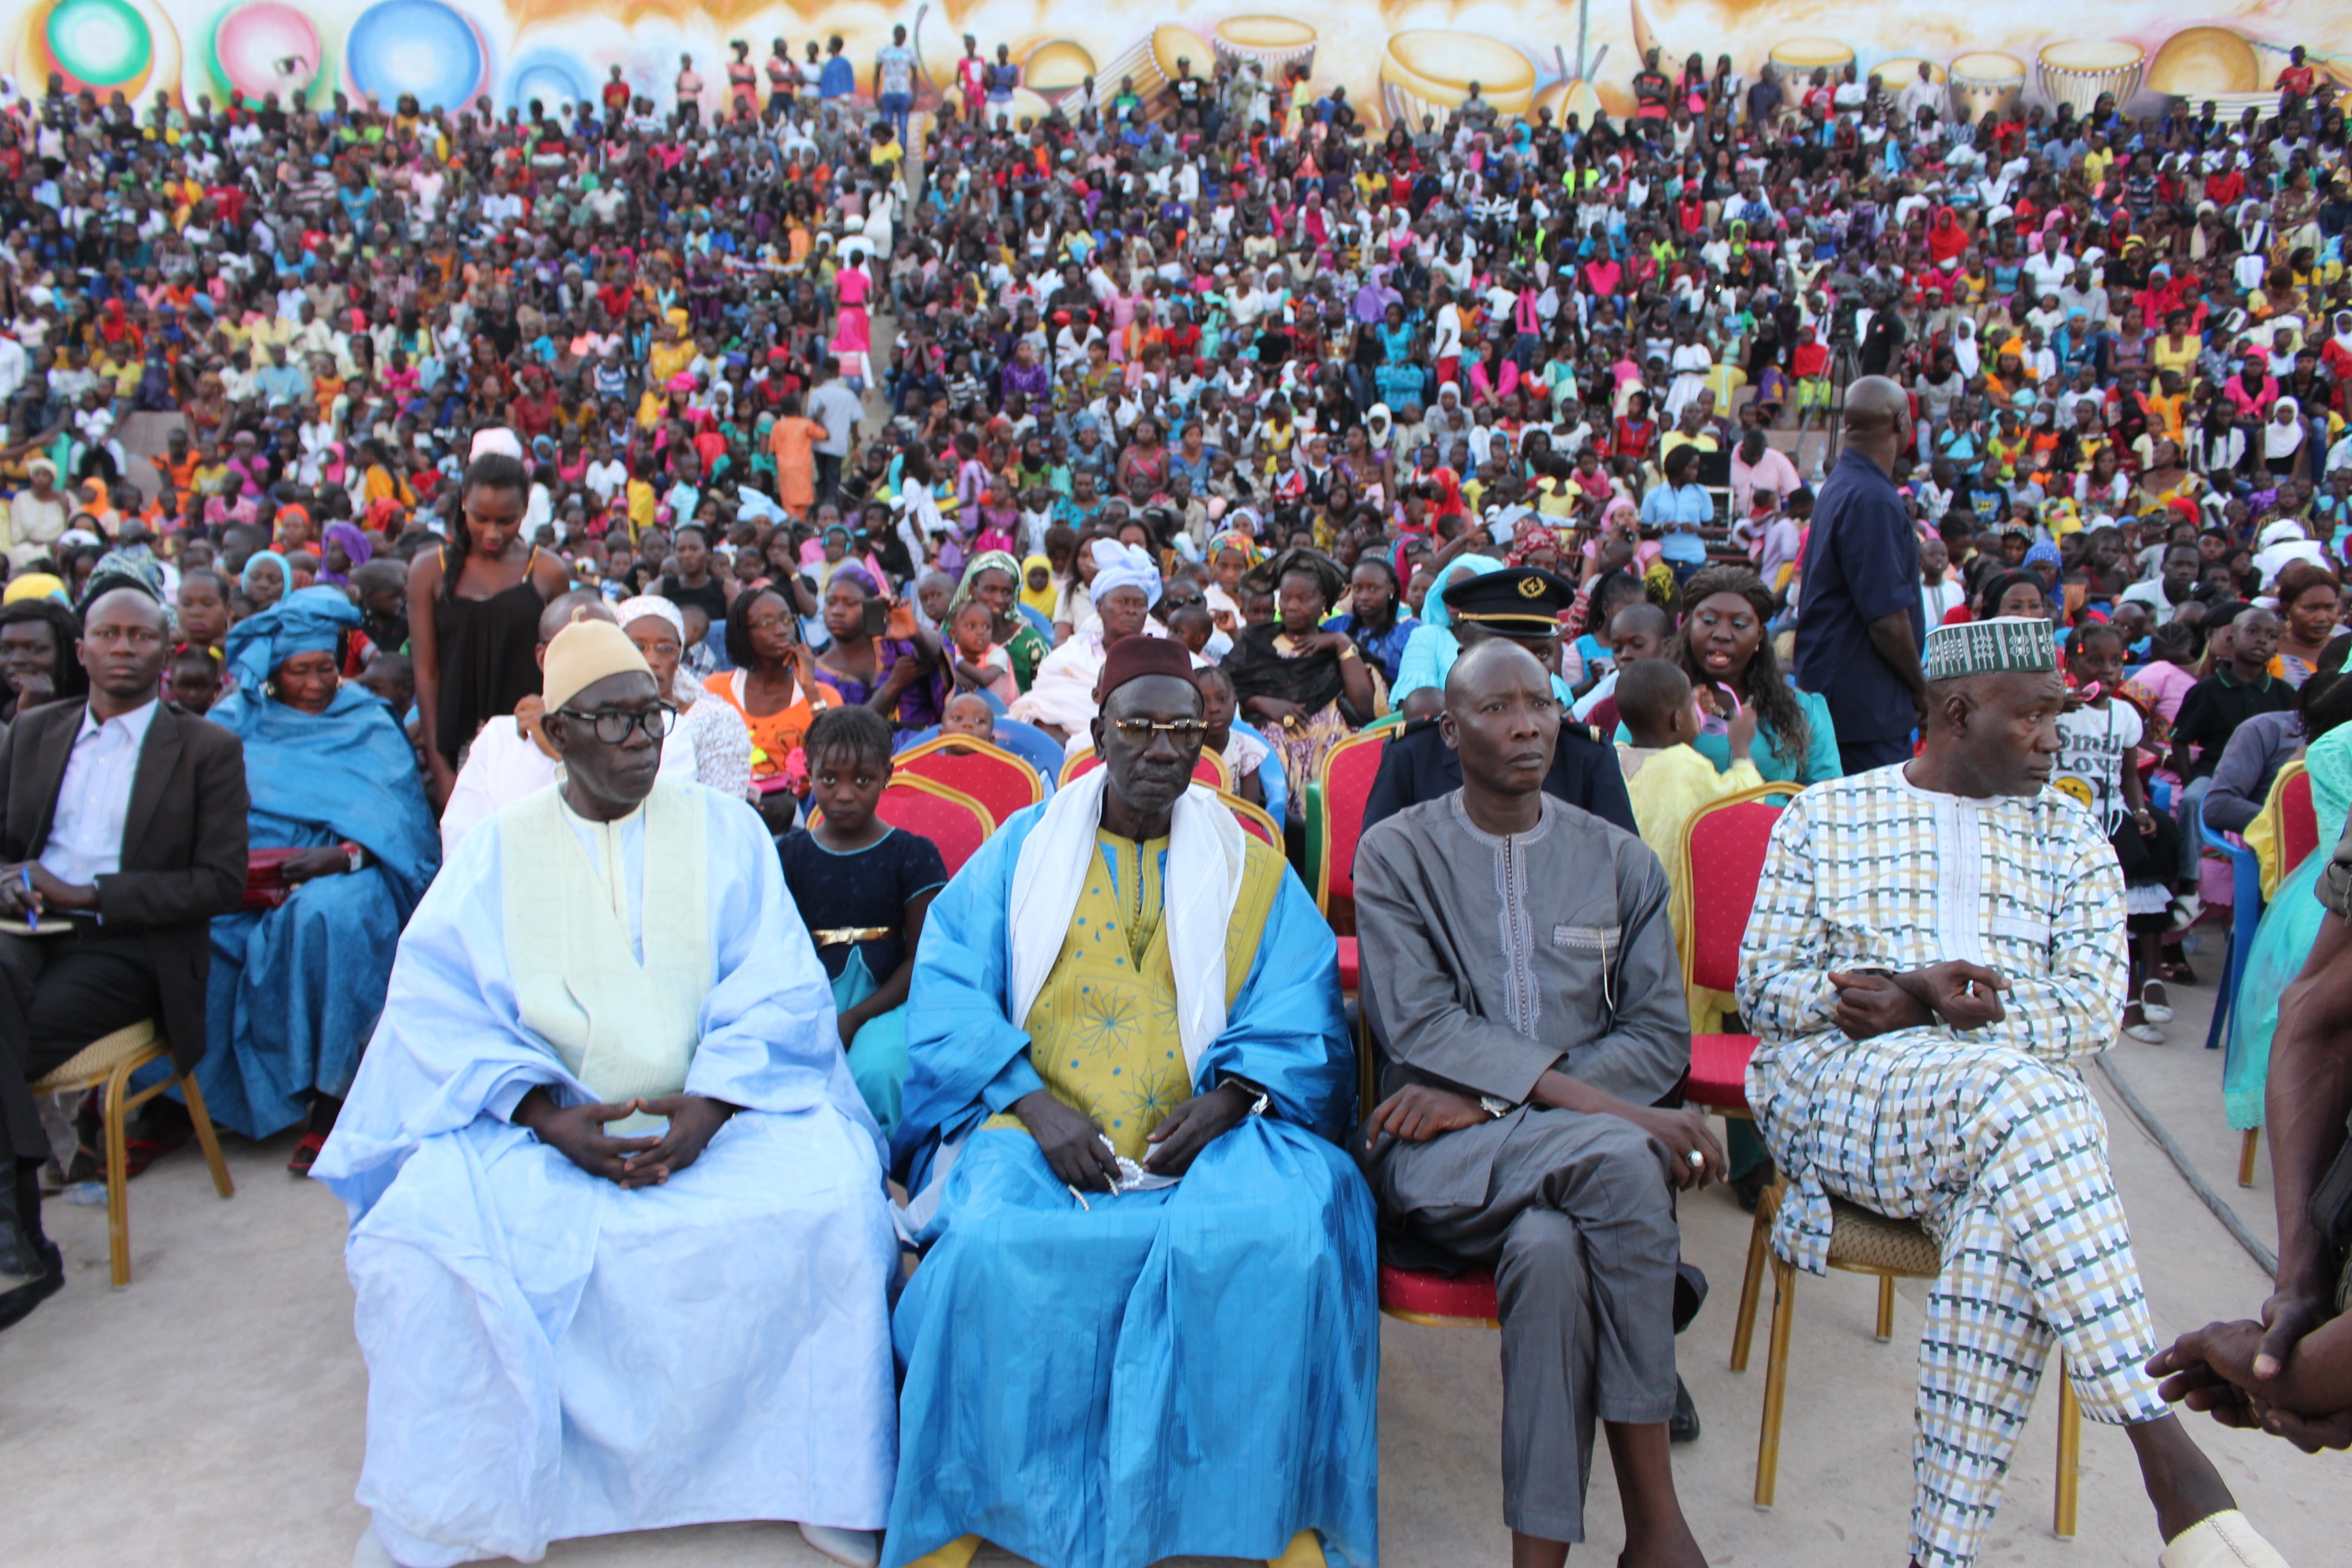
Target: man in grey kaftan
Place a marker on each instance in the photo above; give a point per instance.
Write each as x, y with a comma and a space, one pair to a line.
1524, 989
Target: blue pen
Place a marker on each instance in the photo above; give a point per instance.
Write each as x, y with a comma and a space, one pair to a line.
32, 915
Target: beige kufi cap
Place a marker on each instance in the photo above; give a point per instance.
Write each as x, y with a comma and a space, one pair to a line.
584, 653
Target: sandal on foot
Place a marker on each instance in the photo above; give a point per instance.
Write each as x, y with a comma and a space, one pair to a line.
2179, 973
306, 1153
2147, 1034
2155, 1008
138, 1153
2222, 1541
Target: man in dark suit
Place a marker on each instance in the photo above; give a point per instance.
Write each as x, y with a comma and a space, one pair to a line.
122, 833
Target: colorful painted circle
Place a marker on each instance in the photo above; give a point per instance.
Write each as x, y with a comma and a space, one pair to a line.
266, 46
553, 78
98, 43
418, 46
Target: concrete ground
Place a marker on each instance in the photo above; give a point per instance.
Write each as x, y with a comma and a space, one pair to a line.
211, 1416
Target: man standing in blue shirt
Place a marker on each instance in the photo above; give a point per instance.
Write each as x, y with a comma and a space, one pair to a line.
838, 78
1859, 623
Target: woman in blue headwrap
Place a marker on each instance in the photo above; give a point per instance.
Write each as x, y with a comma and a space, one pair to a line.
1432, 649
268, 577
295, 989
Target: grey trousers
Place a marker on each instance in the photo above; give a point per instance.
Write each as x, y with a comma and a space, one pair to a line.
1575, 1216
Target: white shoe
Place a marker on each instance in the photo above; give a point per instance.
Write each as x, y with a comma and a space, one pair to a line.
2224, 1541
2154, 1012
2147, 1034
858, 1548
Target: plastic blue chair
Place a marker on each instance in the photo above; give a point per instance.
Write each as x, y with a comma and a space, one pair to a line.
1033, 746
2245, 914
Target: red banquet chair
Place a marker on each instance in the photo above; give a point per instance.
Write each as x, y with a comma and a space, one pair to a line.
1001, 783
950, 818
1335, 821
1254, 820
2298, 823
1723, 861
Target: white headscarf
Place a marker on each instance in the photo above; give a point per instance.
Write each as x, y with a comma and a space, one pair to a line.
1119, 565
1965, 352
2283, 440
637, 609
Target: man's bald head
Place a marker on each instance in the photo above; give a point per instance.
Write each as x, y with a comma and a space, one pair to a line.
1875, 406
580, 604
1484, 663
1501, 717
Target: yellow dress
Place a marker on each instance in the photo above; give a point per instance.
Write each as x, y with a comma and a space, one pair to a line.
1103, 1031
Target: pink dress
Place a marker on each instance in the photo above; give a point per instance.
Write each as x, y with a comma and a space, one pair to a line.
1122, 317
853, 331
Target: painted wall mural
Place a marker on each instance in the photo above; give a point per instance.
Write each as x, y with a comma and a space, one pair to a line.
1399, 57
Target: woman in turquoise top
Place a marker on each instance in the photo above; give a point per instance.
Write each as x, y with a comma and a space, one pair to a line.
2283, 940
1725, 648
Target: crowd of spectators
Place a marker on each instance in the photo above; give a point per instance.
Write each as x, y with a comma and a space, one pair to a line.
907, 399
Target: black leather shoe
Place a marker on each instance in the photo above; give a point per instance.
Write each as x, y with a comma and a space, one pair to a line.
1682, 1425
18, 1304
21, 1262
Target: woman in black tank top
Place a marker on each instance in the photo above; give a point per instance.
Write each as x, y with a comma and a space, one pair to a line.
474, 609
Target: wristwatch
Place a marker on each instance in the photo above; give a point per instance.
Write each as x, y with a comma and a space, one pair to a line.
1261, 1099
1495, 1107
356, 855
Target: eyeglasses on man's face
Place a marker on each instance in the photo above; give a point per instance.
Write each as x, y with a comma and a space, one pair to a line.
612, 725
1138, 732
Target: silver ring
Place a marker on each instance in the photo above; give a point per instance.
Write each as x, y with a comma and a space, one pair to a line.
1696, 1158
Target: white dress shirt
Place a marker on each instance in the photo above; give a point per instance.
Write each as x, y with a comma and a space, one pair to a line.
94, 801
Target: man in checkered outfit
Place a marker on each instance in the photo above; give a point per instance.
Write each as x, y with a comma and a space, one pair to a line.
1933, 945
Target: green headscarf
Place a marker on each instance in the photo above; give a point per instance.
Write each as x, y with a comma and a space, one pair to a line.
987, 560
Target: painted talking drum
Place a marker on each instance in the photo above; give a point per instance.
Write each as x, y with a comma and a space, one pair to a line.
1428, 72
2079, 72
1986, 83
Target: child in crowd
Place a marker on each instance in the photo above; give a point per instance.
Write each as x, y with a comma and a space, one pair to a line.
392, 676
1609, 593
1243, 752
1639, 631
862, 887
968, 715
204, 608
2099, 765
1667, 779
980, 662
1193, 627
195, 678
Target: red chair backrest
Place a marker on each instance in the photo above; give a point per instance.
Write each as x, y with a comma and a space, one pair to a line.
1726, 862
957, 824
1253, 820
2299, 822
1349, 770
1001, 782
